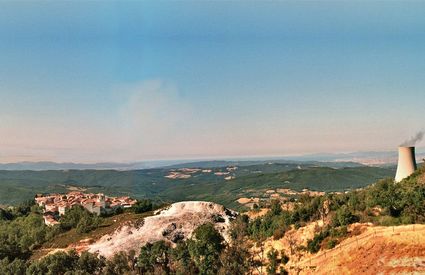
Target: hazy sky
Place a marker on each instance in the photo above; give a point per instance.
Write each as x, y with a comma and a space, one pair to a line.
92, 81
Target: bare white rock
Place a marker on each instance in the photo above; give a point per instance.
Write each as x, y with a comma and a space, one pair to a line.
171, 224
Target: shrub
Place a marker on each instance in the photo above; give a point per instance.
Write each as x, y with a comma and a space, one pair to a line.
78, 217
331, 244
284, 259
143, 206
338, 232
344, 216
273, 264
313, 245
87, 224
205, 248
154, 256
278, 233
118, 210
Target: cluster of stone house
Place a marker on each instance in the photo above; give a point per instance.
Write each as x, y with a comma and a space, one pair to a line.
55, 205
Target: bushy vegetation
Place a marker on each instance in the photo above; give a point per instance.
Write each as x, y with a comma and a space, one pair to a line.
383, 203
313, 245
22, 230
204, 253
142, 206
273, 262
277, 221
72, 263
79, 218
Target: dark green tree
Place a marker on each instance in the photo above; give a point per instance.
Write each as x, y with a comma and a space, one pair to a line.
155, 257
78, 217
344, 216
235, 259
205, 248
90, 263
272, 256
15, 267
58, 263
119, 264
143, 206
182, 262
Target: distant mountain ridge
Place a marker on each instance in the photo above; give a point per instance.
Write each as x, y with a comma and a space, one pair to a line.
244, 163
48, 165
350, 159
364, 157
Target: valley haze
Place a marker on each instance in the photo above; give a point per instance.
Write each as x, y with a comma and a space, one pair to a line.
381, 158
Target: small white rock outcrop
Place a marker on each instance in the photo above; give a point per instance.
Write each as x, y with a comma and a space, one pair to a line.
174, 223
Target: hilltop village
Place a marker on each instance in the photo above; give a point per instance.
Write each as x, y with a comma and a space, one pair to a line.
55, 205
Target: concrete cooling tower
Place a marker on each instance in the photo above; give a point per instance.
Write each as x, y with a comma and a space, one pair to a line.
406, 162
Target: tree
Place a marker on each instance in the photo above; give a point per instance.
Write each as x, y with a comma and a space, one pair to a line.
273, 264
16, 267
412, 201
182, 262
119, 264
344, 217
314, 244
5, 215
205, 248
239, 228
24, 208
143, 206
72, 217
331, 243
258, 263
58, 263
292, 242
235, 260
275, 207
87, 223
154, 256
90, 263
284, 259
21, 235
80, 218
387, 195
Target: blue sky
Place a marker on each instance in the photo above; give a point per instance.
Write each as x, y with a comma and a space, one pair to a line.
111, 81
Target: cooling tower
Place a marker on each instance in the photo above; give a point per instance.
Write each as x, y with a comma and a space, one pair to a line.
406, 163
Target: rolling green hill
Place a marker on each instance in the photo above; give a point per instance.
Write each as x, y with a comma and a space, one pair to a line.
252, 180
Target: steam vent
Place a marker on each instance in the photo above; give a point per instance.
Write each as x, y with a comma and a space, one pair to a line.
406, 163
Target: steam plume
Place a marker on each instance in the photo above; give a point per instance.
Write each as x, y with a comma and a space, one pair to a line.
414, 139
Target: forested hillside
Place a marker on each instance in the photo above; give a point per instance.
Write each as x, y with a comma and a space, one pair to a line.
17, 186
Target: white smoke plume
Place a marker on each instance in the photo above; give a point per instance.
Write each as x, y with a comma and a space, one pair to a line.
414, 139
